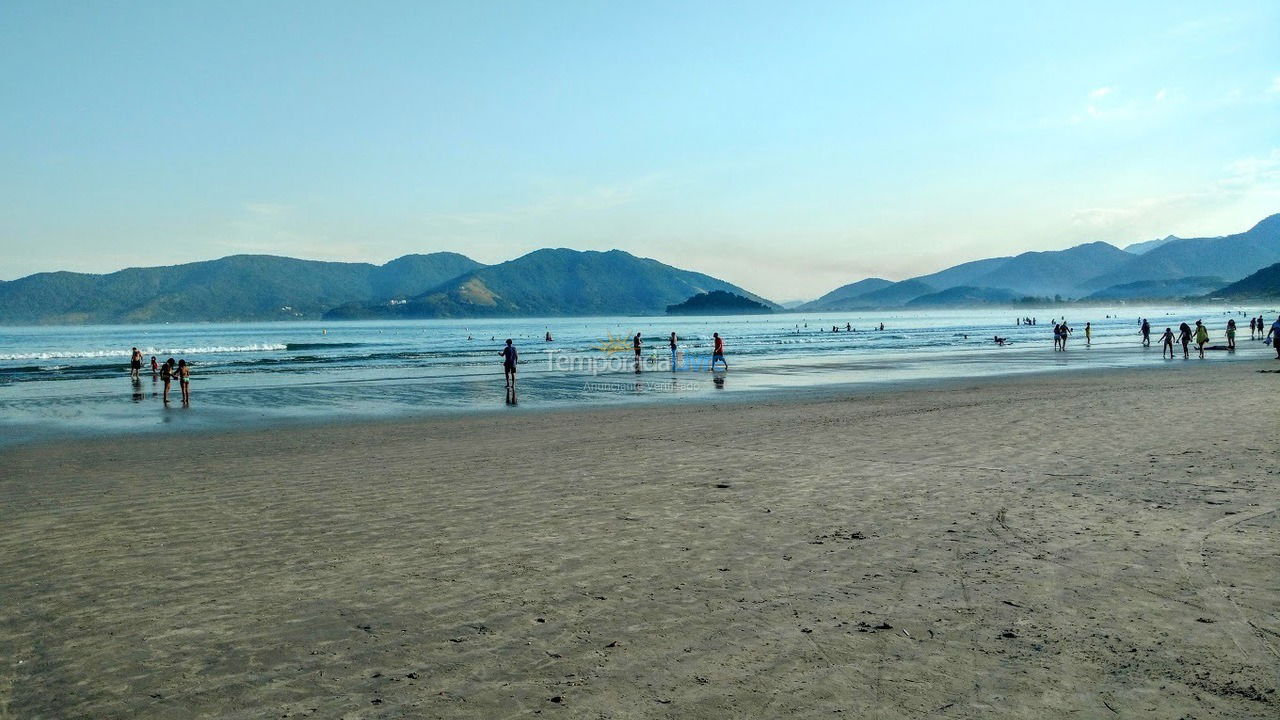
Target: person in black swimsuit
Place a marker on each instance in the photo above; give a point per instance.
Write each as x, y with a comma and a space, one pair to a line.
135, 363
509, 358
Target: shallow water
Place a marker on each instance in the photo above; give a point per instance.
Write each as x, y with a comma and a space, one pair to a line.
58, 381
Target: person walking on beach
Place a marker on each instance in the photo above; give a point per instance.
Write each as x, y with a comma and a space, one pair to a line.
509, 358
1066, 331
672, 344
1231, 334
1167, 339
1184, 337
1057, 337
184, 380
637, 344
1253, 326
166, 376
135, 364
1202, 337
717, 350
1146, 333
1273, 336
1088, 335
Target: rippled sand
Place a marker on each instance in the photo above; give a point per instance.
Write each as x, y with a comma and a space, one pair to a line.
1096, 544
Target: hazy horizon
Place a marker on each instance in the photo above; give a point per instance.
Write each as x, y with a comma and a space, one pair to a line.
785, 152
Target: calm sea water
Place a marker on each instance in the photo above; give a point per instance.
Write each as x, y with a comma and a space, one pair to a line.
59, 381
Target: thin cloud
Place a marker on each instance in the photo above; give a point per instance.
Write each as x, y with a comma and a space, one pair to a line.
1161, 94
1101, 92
1275, 85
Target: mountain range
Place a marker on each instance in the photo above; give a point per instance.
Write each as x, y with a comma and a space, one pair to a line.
553, 282
1171, 267
235, 288
561, 282
1263, 284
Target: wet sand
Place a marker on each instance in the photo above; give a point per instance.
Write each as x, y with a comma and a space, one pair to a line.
1093, 544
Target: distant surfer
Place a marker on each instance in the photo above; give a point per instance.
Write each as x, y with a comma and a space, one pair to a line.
509, 358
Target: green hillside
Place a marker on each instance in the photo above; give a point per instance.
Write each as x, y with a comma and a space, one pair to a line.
554, 282
718, 302
845, 297
236, 288
1231, 257
1264, 283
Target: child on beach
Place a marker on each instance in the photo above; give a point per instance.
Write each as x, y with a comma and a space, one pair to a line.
1231, 334
1167, 339
184, 380
1088, 335
155, 367
166, 376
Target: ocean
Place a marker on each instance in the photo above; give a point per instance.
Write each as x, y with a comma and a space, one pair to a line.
74, 381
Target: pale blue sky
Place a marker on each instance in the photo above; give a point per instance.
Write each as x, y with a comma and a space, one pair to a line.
788, 147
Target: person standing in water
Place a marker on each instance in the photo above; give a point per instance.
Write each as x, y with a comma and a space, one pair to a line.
1273, 336
637, 345
1184, 337
1253, 326
717, 350
1202, 337
509, 358
135, 364
672, 344
155, 368
1167, 339
1146, 333
1231, 334
184, 380
1088, 335
166, 376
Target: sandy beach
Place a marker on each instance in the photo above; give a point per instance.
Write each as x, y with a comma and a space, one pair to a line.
1087, 544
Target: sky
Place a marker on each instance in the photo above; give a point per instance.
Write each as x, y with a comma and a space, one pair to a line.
786, 147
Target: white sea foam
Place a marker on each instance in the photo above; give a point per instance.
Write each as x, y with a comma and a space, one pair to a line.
211, 350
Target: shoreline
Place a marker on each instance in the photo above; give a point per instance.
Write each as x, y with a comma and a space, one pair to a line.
1005, 547
204, 426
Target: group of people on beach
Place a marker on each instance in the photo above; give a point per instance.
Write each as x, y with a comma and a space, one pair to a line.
511, 356
1199, 335
165, 372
